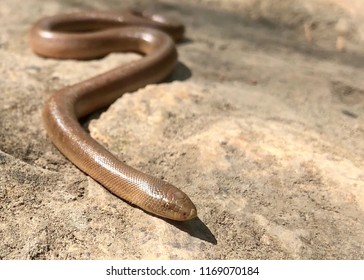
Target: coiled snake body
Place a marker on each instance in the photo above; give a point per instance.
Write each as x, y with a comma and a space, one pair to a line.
95, 34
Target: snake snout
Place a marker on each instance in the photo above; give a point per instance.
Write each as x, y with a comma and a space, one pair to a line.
186, 208
192, 214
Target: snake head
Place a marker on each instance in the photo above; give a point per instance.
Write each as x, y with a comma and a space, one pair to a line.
176, 205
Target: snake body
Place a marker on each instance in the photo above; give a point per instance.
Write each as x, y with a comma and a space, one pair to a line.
93, 35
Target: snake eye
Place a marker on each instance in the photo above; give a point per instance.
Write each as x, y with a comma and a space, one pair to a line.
166, 205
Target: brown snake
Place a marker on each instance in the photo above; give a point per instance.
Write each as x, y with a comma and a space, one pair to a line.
93, 35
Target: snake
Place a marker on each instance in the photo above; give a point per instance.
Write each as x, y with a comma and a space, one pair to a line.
93, 35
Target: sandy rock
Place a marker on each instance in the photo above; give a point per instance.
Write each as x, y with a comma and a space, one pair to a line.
262, 130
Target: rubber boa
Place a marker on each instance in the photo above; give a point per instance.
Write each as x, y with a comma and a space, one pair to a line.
91, 35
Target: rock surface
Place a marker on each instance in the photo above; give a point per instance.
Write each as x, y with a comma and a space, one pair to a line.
261, 124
